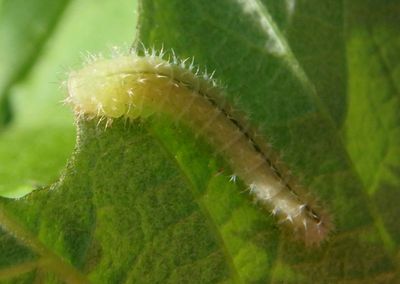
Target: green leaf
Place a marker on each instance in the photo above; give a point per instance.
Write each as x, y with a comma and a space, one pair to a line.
36, 143
25, 28
146, 202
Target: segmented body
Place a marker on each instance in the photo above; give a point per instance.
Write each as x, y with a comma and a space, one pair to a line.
133, 86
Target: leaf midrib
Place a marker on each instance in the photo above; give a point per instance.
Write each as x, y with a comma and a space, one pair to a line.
205, 212
54, 262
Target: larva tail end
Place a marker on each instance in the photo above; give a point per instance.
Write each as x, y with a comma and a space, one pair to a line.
309, 233
318, 233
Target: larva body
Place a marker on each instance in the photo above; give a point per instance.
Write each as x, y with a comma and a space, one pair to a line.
133, 86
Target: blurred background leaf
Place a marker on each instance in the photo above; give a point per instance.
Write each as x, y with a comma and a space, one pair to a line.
40, 41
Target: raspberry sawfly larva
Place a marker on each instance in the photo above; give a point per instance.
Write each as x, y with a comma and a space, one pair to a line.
133, 86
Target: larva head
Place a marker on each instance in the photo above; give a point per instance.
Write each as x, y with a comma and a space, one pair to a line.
132, 86
94, 90
113, 88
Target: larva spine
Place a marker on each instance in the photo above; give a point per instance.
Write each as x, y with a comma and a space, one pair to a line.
132, 86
